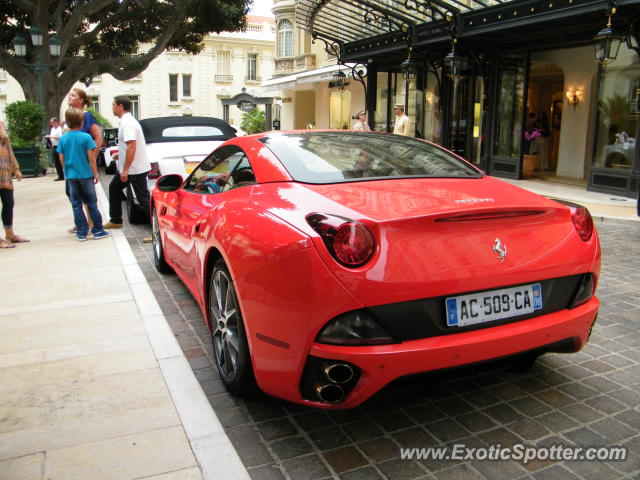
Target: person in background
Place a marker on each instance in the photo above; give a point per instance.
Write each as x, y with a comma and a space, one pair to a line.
8, 169
133, 162
403, 124
54, 136
79, 99
361, 122
81, 173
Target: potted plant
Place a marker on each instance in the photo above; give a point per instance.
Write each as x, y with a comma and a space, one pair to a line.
24, 123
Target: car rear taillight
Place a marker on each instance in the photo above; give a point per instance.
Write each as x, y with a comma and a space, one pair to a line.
348, 241
581, 218
583, 222
154, 172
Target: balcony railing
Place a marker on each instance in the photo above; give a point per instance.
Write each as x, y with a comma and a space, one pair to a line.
299, 63
223, 78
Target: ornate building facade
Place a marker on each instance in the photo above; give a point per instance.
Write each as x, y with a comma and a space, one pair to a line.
179, 84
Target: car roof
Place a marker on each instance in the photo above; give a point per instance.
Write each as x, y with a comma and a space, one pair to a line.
153, 128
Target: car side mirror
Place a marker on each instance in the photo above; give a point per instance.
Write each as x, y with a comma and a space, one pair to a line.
169, 183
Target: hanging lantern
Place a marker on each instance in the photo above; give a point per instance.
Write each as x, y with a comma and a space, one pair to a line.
339, 79
455, 64
409, 67
607, 43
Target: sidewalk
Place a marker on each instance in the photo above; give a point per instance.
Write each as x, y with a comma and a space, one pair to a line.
93, 384
600, 205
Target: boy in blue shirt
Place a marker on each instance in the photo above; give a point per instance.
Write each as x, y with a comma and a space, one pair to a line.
81, 174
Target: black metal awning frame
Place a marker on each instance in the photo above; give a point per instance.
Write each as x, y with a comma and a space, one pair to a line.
360, 30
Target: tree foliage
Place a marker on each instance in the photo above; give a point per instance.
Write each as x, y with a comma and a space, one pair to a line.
24, 122
99, 118
253, 121
119, 37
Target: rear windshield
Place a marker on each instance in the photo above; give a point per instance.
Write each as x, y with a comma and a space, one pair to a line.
331, 157
187, 131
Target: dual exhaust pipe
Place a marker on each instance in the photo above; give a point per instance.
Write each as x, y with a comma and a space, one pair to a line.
338, 374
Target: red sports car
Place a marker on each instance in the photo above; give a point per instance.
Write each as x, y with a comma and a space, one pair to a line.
329, 263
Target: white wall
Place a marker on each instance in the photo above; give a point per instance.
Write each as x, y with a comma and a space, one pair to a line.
576, 132
10, 91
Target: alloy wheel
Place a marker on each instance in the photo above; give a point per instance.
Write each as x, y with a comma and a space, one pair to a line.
225, 319
155, 235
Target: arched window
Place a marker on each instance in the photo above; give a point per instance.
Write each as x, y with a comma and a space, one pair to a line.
285, 38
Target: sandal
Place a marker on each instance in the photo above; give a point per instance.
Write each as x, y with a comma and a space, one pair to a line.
5, 244
73, 230
18, 239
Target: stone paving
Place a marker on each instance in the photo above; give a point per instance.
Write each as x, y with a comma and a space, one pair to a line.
591, 398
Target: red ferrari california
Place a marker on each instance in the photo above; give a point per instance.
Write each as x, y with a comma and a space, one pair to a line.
329, 263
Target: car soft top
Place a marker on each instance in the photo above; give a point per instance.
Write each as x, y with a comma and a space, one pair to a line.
154, 128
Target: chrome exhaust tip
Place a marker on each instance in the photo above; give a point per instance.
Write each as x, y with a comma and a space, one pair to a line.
339, 373
330, 393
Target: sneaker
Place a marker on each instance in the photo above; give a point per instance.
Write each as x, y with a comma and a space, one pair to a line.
101, 234
81, 238
109, 225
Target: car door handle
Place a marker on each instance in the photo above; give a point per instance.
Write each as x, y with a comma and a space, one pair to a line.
163, 210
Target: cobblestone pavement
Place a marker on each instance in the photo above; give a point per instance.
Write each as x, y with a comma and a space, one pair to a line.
591, 398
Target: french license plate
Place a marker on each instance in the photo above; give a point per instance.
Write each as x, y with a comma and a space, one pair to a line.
494, 305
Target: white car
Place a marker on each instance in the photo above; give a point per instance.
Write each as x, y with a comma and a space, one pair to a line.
176, 145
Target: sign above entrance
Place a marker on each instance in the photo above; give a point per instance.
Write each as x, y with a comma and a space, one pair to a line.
246, 105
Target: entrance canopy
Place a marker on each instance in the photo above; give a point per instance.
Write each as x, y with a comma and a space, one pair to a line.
351, 20
361, 30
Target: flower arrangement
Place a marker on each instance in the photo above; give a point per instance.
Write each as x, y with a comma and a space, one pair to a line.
536, 132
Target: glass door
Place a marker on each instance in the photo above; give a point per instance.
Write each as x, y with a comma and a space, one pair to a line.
467, 118
511, 90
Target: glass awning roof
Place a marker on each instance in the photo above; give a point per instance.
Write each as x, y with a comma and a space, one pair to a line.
352, 20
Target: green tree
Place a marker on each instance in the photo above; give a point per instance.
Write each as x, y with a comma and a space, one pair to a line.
253, 121
118, 37
100, 119
24, 121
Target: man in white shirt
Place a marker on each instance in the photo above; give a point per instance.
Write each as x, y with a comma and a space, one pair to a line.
54, 136
403, 124
133, 162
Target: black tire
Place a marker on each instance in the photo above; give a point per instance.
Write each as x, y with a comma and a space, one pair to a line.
230, 348
158, 251
110, 169
135, 213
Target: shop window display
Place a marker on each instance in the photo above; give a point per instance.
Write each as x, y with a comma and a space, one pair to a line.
618, 123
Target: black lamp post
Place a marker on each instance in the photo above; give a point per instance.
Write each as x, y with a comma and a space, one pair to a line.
39, 67
607, 43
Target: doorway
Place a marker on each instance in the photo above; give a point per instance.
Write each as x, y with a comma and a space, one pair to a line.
467, 118
545, 96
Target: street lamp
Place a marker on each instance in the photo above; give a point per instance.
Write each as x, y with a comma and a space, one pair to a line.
20, 49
